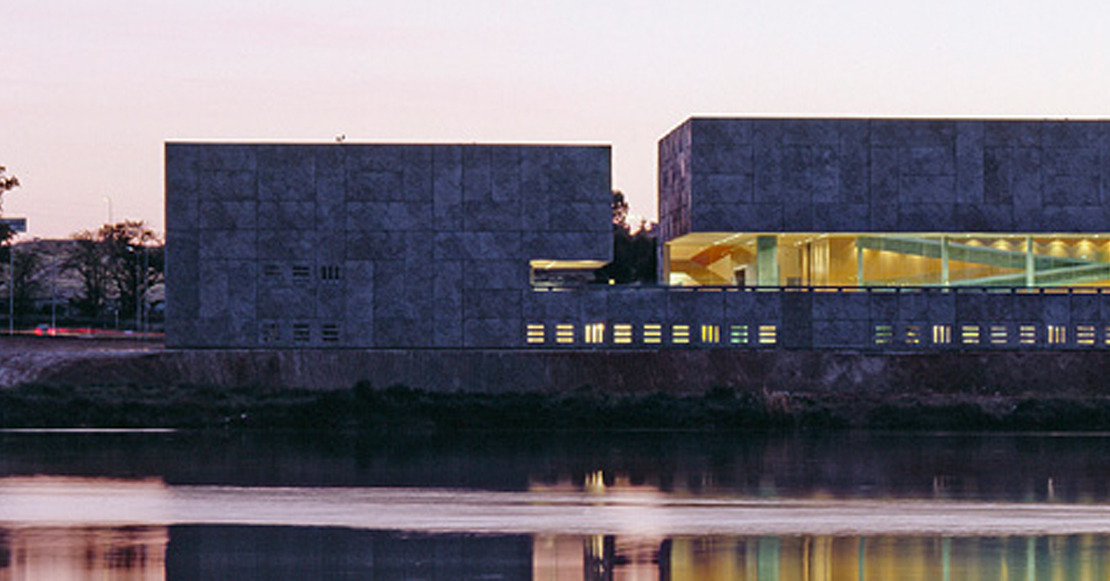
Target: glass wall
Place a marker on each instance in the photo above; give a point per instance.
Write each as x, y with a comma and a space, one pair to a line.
887, 259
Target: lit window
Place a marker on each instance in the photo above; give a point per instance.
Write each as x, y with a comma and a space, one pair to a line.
942, 334
622, 334
653, 334
768, 334
535, 333
884, 334
564, 334
710, 334
1085, 334
680, 334
1000, 335
1027, 334
302, 333
738, 334
595, 333
1057, 334
913, 335
329, 332
969, 334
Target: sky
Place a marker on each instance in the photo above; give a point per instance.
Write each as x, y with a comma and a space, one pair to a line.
91, 89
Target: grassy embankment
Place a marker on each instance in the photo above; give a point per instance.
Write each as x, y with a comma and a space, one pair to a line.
399, 408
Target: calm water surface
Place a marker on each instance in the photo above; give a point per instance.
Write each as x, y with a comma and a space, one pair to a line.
846, 506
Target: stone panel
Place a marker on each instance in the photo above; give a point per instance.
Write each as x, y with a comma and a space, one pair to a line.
493, 333
841, 306
491, 304
228, 185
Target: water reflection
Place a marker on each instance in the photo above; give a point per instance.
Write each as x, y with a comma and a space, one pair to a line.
258, 553
59, 554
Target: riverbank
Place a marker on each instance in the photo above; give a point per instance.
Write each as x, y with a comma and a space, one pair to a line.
398, 408
92, 383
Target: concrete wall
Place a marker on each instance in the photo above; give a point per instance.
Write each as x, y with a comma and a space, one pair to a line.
890, 319
371, 245
888, 175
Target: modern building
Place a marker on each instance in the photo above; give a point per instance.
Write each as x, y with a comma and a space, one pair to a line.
789, 233
384, 246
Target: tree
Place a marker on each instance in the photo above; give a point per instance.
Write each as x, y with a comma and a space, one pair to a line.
119, 261
634, 257
27, 274
7, 183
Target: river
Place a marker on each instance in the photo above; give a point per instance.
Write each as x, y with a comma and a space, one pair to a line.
554, 507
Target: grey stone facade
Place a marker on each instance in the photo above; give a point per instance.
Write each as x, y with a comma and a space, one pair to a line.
884, 175
371, 245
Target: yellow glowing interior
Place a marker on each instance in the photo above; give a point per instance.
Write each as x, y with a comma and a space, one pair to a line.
887, 259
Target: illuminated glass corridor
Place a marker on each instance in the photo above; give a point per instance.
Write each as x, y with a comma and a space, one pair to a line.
887, 259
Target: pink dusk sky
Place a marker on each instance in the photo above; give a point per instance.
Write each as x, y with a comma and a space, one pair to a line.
93, 88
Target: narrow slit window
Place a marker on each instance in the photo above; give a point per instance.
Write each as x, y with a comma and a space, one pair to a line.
884, 334
1085, 334
536, 334
942, 334
622, 334
302, 333
331, 273
1057, 335
329, 332
738, 334
301, 274
653, 334
1000, 335
969, 334
595, 333
912, 335
564, 334
680, 334
1027, 334
710, 334
768, 334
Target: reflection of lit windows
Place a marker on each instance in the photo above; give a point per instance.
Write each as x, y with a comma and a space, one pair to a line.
622, 334
710, 334
1085, 334
1027, 334
738, 334
969, 334
653, 334
768, 334
942, 334
912, 335
535, 333
595, 333
564, 333
1000, 335
884, 334
1057, 334
680, 334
